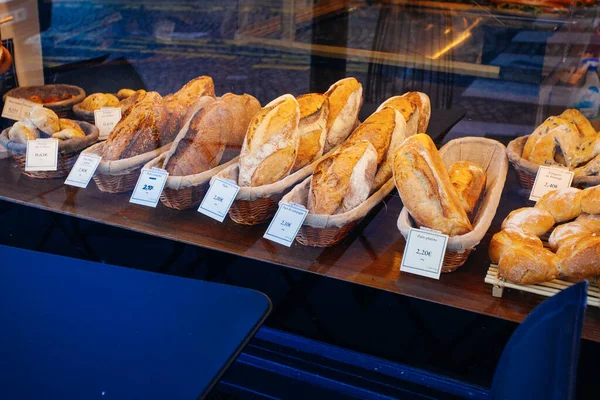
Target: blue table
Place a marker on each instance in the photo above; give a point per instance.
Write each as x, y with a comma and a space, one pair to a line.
73, 329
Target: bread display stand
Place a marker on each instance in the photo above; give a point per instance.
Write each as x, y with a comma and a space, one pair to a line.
491, 155
321, 230
61, 108
118, 176
527, 171
183, 192
68, 151
546, 289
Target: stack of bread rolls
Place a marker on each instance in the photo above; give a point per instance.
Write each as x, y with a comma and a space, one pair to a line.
435, 197
574, 247
42, 122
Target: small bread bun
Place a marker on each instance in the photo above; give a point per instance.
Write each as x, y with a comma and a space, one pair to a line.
564, 205
70, 124
564, 233
580, 259
529, 219
22, 131
590, 200
44, 119
94, 102
528, 265
125, 93
68, 134
510, 238
111, 100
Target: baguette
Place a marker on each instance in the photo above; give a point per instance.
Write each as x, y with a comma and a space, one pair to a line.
312, 128
423, 104
469, 181
407, 109
345, 101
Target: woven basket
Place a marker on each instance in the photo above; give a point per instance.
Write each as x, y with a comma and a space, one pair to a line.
527, 171
61, 108
489, 154
68, 152
321, 230
83, 114
119, 176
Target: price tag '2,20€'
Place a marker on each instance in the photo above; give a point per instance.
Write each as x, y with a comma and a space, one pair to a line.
83, 170
549, 179
41, 155
424, 253
219, 198
149, 187
286, 223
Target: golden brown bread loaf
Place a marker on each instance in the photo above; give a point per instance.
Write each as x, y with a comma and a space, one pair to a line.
590, 220
590, 200
345, 101
530, 219
127, 104
584, 127
528, 265
424, 186
423, 104
203, 144
243, 108
22, 131
564, 205
510, 238
44, 119
469, 180
343, 180
271, 143
564, 233
312, 128
580, 258
407, 109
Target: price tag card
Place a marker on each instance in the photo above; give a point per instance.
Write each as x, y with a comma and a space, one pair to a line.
286, 223
149, 187
218, 199
42, 155
549, 179
424, 253
105, 120
17, 109
83, 170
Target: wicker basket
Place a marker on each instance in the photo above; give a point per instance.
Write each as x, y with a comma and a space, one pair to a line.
68, 152
119, 176
61, 108
527, 171
491, 155
83, 114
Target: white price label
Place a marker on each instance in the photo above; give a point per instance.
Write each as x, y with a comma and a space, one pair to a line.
17, 109
218, 199
424, 253
149, 187
549, 179
42, 155
83, 170
286, 223
105, 120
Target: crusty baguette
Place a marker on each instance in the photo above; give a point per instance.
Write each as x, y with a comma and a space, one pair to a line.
312, 128
564, 205
423, 104
271, 143
343, 180
345, 101
528, 265
424, 186
243, 108
509, 238
469, 180
530, 219
407, 109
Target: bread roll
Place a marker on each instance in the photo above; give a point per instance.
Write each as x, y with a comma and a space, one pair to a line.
22, 131
94, 102
65, 123
125, 93
345, 100
564, 205
44, 119
528, 265
468, 179
271, 143
510, 238
111, 100
343, 180
566, 232
423, 104
425, 188
407, 109
68, 133
530, 219
312, 128
590, 220
590, 200
580, 259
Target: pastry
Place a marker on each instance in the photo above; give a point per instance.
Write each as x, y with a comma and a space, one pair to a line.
580, 259
345, 101
271, 143
510, 238
424, 186
590, 200
468, 179
44, 119
530, 219
243, 108
312, 128
564, 205
68, 133
528, 265
343, 180
22, 131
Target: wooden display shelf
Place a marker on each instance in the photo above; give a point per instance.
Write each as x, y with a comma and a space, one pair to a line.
369, 256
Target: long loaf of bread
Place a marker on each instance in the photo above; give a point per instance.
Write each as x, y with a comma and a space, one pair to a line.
312, 128
345, 101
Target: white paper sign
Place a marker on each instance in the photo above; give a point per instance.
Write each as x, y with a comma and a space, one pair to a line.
105, 119
286, 223
218, 199
149, 187
83, 170
42, 155
549, 179
17, 109
424, 253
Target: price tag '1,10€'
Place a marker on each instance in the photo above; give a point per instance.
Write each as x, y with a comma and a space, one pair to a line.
424, 253
83, 170
549, 179
286, 223
149, 187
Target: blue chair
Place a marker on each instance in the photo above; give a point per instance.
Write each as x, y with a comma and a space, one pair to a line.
540, 359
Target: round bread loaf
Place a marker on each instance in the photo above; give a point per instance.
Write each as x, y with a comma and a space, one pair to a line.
590, 200
528, 265
510, 238
529, 219
580, 259
564, 205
